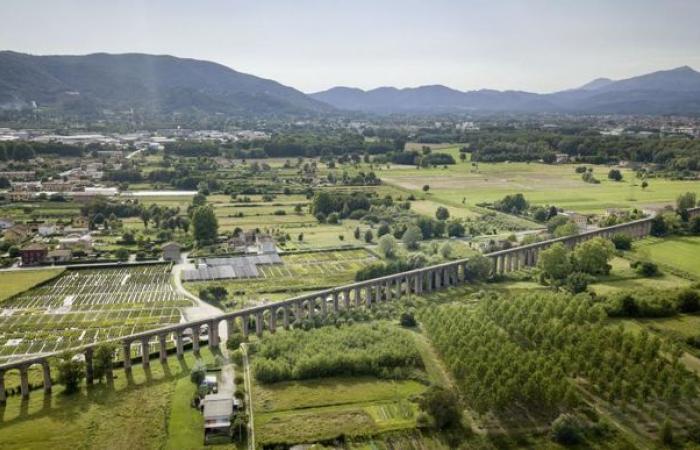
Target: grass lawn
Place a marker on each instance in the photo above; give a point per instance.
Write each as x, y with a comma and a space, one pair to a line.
623, 276
677, 252
15, 281
330, 392
133, 413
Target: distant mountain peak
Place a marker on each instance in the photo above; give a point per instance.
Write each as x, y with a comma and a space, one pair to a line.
596, 84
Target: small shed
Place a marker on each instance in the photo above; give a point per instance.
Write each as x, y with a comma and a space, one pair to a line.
171, 251
217, 413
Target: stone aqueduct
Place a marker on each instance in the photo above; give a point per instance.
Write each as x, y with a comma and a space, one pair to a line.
329, 301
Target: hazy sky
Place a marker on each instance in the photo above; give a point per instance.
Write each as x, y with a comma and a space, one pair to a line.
535, 45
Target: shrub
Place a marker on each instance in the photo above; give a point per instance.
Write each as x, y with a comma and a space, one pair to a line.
333, 218
647, 269
443, 406
622, 241
577, 282
688, 301
71, 372
198, 372
407, 319
566, 430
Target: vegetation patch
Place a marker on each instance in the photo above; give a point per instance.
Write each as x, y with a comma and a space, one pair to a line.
377, 349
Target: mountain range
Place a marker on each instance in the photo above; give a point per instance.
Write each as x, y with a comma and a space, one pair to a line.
675, 91
150, 83
160, 84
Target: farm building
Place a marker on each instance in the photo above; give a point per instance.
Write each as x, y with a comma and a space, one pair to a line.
59, 256
33, 254
17, 233
171, 251
217, 414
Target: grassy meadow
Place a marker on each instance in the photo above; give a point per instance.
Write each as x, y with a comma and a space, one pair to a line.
14, 281
540, 183
145, 410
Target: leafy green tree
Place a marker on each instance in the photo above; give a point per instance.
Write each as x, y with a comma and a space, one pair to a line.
592, 256
555, 262
198, 372
356, 233
686, 201
695, 225
622, 241
477, 268
412, 237
369, 236
455, 229
103, 359
442, 213
446, 250
567, 229
205, 225
443, 406
615, 175
387, 245
122, 254
658, 226
577, 282
71, 371
566, 430
688, 301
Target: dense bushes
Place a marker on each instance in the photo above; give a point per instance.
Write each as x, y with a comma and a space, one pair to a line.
364, 349
652, 303
380, 269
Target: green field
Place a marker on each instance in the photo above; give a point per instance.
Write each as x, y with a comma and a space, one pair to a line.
540, 183
310, 410
680, 253
146, 410
15, 281
623, 277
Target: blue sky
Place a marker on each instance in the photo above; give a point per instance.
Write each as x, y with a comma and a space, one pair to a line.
535, 45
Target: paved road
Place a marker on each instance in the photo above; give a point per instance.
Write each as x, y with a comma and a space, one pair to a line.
203, 310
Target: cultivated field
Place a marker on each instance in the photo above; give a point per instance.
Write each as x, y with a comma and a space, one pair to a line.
83, 306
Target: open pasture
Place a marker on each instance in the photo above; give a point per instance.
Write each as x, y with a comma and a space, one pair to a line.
678, 253
540, 183
83, 306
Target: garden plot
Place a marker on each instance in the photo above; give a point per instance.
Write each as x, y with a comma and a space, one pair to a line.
84, 306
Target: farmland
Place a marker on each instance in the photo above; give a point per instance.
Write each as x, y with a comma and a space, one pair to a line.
325, 408
300, 272
14, 282
83, 306
540, 183
679, 254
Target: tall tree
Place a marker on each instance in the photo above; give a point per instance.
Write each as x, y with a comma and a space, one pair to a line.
205, 225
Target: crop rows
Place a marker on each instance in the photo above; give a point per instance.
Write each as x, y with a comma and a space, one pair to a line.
84, 306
